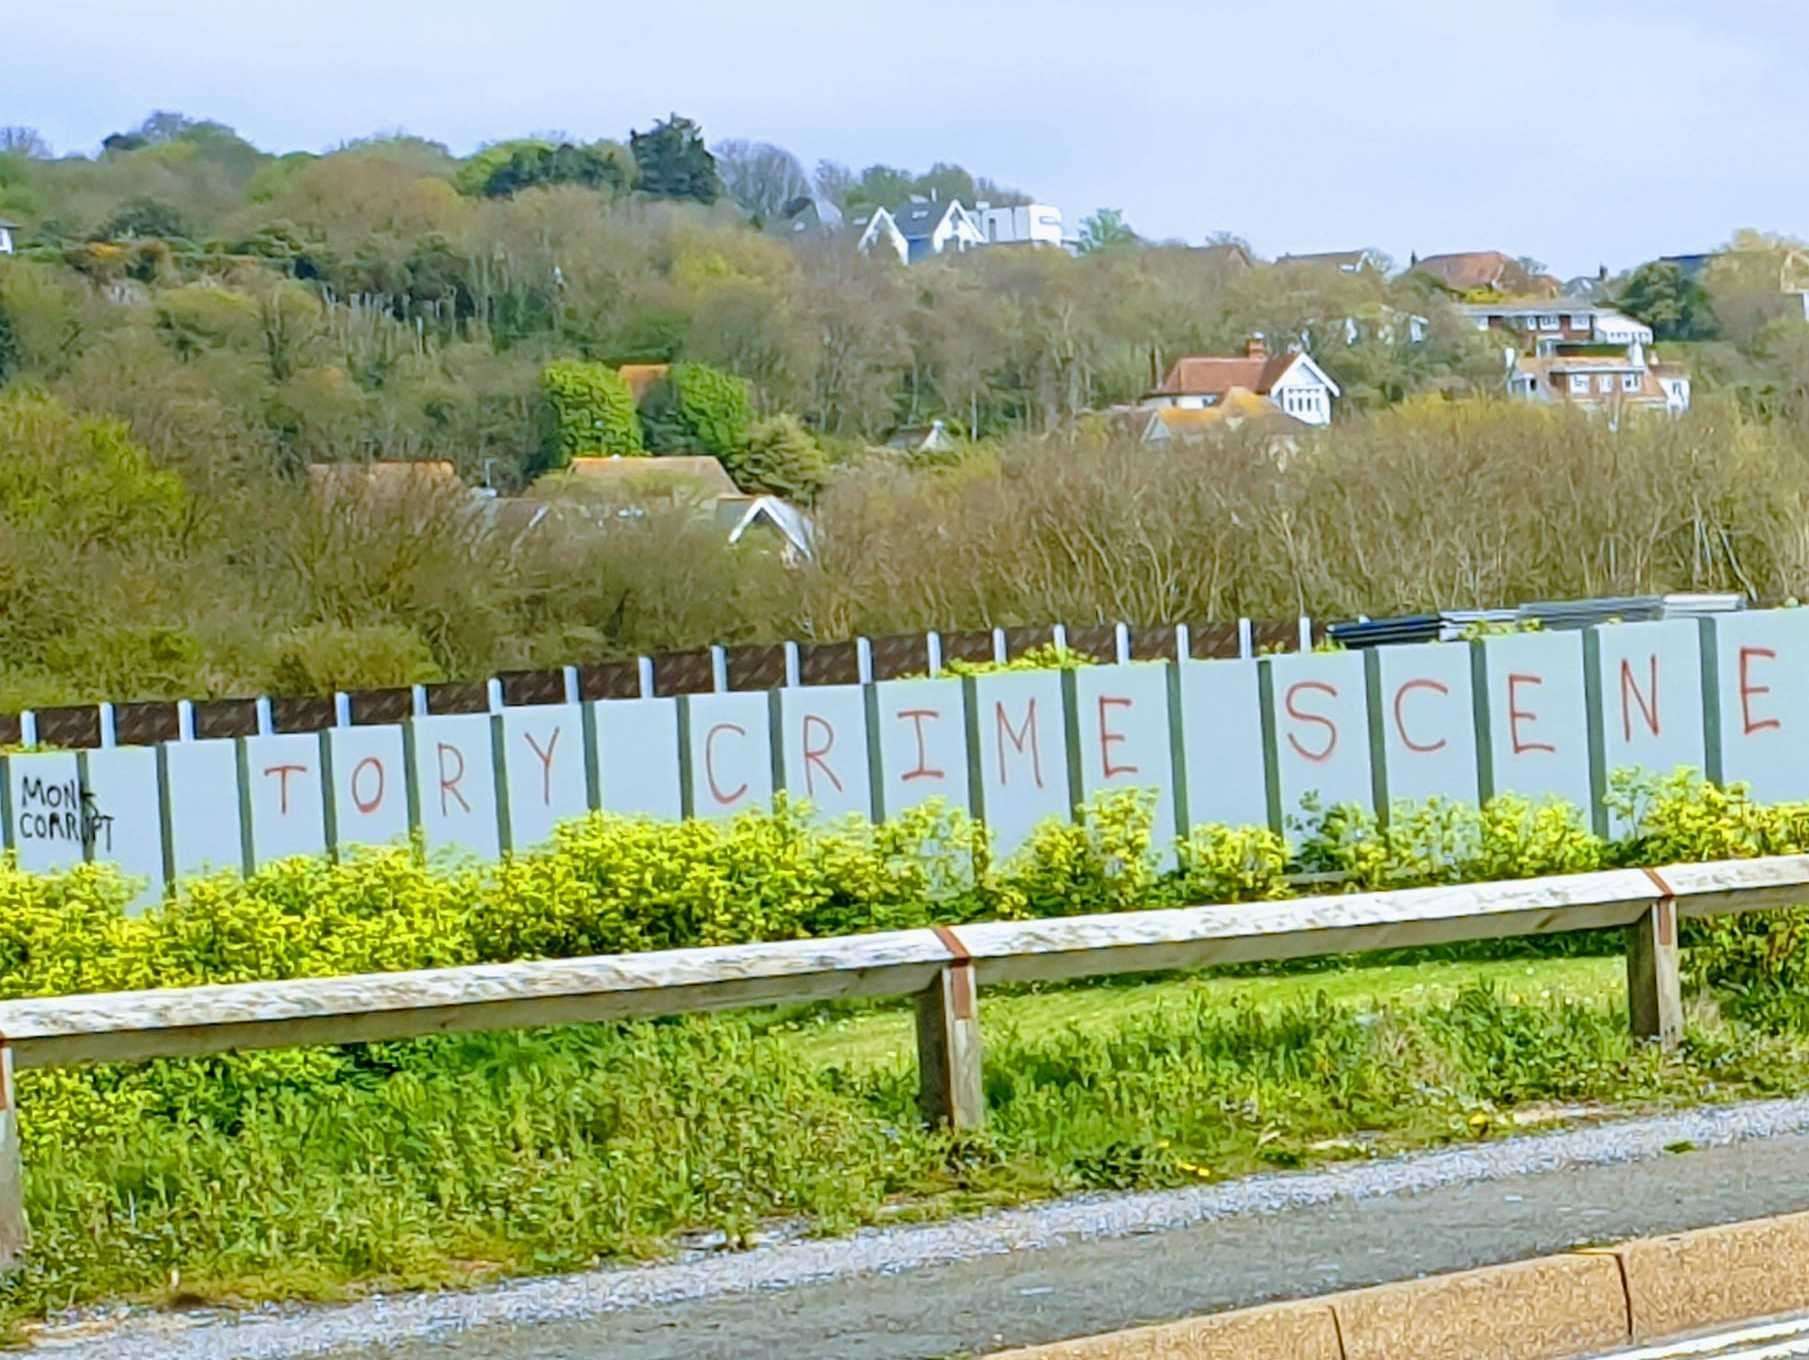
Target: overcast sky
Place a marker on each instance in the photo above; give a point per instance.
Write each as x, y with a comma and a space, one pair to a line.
1583, 133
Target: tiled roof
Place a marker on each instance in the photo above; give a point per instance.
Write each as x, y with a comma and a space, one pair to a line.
1343, 259
1464, 270
640, 377
1213, 376
664, 474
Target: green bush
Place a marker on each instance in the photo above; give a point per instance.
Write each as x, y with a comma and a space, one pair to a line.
780, 458
335, 656
592, 412
698, 409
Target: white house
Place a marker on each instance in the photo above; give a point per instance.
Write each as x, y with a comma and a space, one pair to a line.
6, 236
1551, 321
918, 229
1020, 224
1292, 382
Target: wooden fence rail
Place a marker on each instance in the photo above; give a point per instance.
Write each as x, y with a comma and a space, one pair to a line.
941, 967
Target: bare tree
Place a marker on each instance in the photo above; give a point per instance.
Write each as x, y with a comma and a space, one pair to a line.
761, 177
17, 140
834, 181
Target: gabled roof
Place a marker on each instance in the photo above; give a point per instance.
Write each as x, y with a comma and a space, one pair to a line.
917, 221
791, 523
1206, 376
1209, 376
1342, 259
10, 226
1466, 269
701, 475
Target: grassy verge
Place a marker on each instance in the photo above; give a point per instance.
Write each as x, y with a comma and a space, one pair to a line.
453, 1160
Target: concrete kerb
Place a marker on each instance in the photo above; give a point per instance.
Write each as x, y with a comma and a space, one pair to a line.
1555, 1308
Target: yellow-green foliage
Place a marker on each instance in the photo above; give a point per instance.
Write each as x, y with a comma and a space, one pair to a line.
1047, 657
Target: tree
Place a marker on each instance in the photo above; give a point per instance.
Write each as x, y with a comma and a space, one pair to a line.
761, 178
698, 409
880, 186
507, 168
834, 182
592, 410
1673, 304
1104, 229
24, 141
782, 459
673, 161
144, 217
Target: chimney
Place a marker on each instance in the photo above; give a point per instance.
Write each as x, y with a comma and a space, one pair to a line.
1254, 348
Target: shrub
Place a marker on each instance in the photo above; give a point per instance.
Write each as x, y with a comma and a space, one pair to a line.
334, 656
781, 458
698, 409
592, 410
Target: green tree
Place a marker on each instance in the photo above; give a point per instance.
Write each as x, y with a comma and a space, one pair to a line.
592, 412
507, 168
1104, 229
781, 458
1673, 304
673, 161
144, 217
698, 409
81, 479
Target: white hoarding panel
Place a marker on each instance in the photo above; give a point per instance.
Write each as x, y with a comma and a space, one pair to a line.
1762, 708
1320, 717
125, 809
637, 757
46, 825
922, 743
201, 806
453, 764
823, 737
1426, 718
731, 753
1648, 679
544, 770
1222, 742
1121, 718
284, 795
1538, 724
1021, 754
368, 790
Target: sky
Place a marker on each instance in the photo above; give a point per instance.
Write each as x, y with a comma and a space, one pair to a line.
1585, 133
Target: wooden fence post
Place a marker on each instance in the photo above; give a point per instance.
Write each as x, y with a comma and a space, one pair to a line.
1654, 987
948, 1044
15, 1236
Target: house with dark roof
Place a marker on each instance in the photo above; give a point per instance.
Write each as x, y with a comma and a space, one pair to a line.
919, 229
1291, 382
6, 236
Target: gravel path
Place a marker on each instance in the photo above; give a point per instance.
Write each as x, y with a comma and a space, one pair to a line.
904, 1292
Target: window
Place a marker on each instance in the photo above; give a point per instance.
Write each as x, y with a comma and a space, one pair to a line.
1548, 323
1629, 382
1580, 322
1605, 383
1579, 384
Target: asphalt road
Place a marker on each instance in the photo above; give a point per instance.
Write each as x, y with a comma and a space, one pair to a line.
1079, 1268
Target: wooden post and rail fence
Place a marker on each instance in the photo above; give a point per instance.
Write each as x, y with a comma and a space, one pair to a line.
942, 967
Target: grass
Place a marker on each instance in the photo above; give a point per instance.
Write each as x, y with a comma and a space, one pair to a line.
862, 1037
460, 1159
